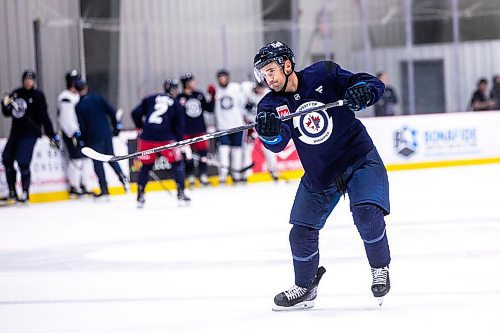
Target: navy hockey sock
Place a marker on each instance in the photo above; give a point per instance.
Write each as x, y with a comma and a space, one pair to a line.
178, 173
304, 243
369, 220
202, 166
142, 178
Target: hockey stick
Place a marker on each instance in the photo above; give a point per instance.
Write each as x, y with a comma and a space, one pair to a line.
110, 158
216, 163
155, 176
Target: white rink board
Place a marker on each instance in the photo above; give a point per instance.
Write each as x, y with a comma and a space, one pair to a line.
436, 137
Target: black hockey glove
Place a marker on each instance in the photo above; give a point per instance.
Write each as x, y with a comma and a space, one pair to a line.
268, 125
359, 96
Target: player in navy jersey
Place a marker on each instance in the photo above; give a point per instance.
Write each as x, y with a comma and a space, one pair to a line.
28, 108
338, 157
195, 104
160, 118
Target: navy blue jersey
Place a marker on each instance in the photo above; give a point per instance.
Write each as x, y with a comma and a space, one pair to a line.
32, 114
194, 105
328, 141
160, 116
95, 117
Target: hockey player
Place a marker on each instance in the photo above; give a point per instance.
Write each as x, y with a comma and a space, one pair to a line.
338, 157
229, 112
171, 86
161, 119
28, 108
94, 116
254, 94
195, 104
80, 167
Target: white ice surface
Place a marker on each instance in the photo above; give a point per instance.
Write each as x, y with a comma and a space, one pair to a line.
82, 266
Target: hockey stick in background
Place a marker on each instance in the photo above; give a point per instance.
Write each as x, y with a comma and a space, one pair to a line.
110, 158
155, 177
214, 162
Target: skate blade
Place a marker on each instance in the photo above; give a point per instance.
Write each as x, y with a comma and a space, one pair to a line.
380, 300
297, 307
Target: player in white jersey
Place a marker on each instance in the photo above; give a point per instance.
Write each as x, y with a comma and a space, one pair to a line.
229, 112
79, 167
254, 93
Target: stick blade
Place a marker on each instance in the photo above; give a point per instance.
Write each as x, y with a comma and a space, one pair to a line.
89, 152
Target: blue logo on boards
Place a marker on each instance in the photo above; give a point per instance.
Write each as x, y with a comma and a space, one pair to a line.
405, 141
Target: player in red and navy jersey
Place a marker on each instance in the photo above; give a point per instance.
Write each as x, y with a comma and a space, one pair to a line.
195, 104
160, 118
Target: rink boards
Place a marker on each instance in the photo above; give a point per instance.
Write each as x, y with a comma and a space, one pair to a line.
404, 142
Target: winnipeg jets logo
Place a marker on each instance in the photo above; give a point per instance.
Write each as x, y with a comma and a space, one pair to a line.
313, 122
193, 108
319, 89
226, 103
313, 128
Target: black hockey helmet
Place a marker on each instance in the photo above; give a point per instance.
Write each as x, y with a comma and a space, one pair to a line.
222, 72
170, 84
72, 79
275, 51
185, 78
29, 74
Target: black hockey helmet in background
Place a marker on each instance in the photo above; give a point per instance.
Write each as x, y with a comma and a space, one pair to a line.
275, 51
29, 74
74, 79
185, 78
222, 72
170, 84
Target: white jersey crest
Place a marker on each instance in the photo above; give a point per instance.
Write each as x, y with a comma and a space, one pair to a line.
314, 127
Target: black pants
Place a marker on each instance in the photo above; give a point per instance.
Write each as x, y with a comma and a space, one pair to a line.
105, 146
20, 150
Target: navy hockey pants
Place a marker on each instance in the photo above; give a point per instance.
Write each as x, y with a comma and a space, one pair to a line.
368, 190
20, 150
106, 147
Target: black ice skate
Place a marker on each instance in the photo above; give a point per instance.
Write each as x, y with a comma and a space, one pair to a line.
182, 198
298, 298
11, 198
381, 283
103, 196
74, 192
140, 197
24, 197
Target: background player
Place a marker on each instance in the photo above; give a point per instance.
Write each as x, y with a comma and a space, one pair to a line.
161, 119
195, 104
338, 157
254, 94
229, 112
80, 168
28, 108
94, 116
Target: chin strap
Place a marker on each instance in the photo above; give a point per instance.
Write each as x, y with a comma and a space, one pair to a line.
286, 80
